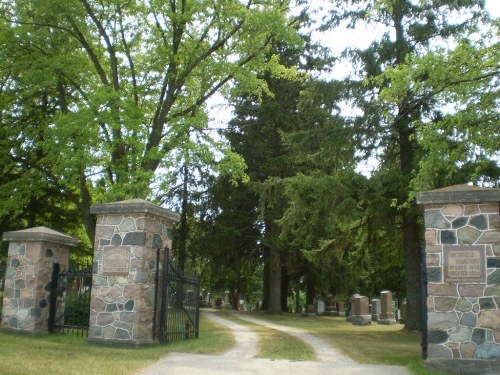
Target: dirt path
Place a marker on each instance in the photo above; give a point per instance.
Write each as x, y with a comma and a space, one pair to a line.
324, 351
240, 359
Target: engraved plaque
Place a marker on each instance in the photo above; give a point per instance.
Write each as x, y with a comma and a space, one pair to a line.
464, 264
115, 261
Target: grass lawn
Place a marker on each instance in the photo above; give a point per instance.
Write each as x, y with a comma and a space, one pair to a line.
374, 344
71, 355
68, 355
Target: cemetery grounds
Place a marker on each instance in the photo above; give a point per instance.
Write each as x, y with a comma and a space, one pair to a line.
71, 354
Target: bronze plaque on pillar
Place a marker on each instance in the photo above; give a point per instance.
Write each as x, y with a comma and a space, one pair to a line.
116, 261
464, 264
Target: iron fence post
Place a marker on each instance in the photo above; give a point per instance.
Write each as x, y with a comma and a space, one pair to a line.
425, 336
164, 294
157, 285
53, 297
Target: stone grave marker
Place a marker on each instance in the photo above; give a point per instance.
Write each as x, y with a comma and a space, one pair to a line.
376, 309
386, 310
331, 306
319, 307
310, 311
361, 315
340, 308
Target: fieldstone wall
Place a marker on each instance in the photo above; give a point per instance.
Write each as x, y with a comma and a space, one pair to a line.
32, 253
463, 259
128, 235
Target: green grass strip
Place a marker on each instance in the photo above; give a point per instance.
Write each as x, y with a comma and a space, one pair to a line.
71, 355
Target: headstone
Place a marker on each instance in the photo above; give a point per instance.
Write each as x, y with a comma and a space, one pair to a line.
319, 307
218, 303
31, 255
340, 308
227, 303
462, 254
128, 235
361, 315
404, 313
386, 311
310, 311
331, 306
242, 305
376, 309
351, 310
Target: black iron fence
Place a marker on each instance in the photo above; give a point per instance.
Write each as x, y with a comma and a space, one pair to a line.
3, 268
70, 300
179, 310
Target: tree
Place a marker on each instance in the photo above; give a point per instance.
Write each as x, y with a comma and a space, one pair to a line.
461, 141
127, 77
416, 29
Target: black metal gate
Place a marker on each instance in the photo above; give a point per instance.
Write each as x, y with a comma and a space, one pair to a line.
179, 310
70, 300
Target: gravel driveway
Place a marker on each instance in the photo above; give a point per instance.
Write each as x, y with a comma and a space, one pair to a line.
240, 359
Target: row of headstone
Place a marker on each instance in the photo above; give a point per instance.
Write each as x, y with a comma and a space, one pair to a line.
381, 310
330, 308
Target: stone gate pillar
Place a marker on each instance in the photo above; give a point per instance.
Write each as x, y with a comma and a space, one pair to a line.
32, 253
128, 235
463, 260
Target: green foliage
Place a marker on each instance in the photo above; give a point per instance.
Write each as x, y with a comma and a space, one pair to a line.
98, 100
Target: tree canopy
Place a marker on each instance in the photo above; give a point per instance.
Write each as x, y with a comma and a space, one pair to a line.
104, 101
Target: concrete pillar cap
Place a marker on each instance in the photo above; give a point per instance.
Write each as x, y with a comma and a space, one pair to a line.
40, 234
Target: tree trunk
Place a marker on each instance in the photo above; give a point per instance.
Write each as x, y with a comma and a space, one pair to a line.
285, 283
411, 241
411, 230
274, 281
310, 290
183, 224
265, 283
89, 220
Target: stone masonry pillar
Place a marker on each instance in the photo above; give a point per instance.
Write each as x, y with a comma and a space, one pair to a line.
128, 235
32, 253
463, 260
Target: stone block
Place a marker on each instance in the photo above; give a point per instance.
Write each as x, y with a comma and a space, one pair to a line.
468, 235
453, 210
488, 351
431, 236
478, 336
494, 277
104, 319
448, 237
464, 305
361, 320
469, 319
459, 222
460, 334
437, 337
489, 319
433, 259
442, 320
435, 289
468, 350
490, 237
439, 351
487, 303
444, 304
471, 290
435, 219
